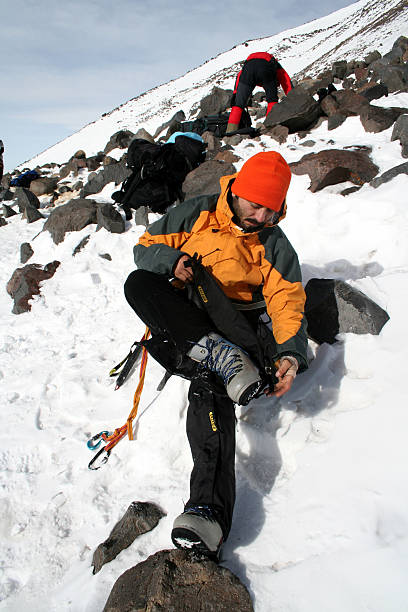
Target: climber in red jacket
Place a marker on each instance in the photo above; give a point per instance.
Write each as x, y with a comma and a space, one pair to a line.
259, 69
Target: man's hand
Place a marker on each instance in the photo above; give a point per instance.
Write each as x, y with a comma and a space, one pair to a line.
285, 374
182, 272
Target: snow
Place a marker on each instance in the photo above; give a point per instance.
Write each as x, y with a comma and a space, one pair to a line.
321, 516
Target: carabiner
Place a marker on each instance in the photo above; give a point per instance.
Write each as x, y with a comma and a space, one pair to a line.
103, 461
96, 437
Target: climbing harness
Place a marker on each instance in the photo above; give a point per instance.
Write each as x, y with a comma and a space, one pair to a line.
112, 439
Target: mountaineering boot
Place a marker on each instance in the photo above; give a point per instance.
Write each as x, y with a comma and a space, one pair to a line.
198, 529
239, 375
231, 127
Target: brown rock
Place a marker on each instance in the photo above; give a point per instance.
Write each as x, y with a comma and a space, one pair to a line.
25, 283
227, 156
334, 166
176, 580
205, 180
350, 103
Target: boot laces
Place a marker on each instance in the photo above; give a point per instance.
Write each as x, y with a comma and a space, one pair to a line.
223, 358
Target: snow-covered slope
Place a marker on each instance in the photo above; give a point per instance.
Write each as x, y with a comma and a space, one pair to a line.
321, 521
349, 33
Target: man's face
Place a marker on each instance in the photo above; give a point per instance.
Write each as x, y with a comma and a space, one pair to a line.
251, 216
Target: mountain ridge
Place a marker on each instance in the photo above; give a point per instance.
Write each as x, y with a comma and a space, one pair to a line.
157, 105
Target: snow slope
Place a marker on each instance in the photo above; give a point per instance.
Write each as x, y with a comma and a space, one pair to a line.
321, 519
349, 33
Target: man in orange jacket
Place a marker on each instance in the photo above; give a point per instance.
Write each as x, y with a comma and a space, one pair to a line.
260, 69
237, 235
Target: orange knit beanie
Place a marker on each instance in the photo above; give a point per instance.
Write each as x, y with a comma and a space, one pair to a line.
263, 179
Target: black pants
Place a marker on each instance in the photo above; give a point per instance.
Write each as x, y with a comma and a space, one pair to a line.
210, 416
256, 72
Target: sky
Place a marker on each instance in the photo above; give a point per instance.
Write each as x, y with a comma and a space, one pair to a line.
64, 65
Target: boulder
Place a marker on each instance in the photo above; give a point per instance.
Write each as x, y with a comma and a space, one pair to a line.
213, 144
333, 166
329, 105
73, 165
372, 57
142, 133
175, 120
94, 162
115, 173
108, 217
390, 174
139, 518
333, 307
24, 197
119, 140
178, 580
6, 195
394, 77
31, 213
339, 69
3, 222
297, 111
26, 252
8, 211
25, 283
205, 180
376, 119
350, 103
71, 217
279, 133
216, 102
44, 186
334, 121
142, 216
373, 91
400, 132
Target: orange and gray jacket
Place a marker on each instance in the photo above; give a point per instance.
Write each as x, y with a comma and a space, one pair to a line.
249, 266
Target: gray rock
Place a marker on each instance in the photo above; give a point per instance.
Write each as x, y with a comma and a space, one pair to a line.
142, 133
108, 217
334, 166
24, 197
115, 173
329, 105
373, 91
71, 217
25, 283
81, 245
43, 186
8, 211
334, 121
297, 111
216, 102
6, 195
139, 518
339, 69
205, 180
105, 256
333, 306
31, 213
372, 57
142, 216
26, 252
178, 581
3, 222
376, 119
390, 174
119, 140
176, 119
279, 133
400, 132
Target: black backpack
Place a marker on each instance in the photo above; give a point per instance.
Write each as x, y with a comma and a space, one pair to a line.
158, 172
217, 124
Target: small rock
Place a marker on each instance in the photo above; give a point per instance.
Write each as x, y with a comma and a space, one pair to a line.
26, 252
25, 284
139, 518
333, 306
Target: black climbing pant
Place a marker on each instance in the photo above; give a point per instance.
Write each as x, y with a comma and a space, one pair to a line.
211, 415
